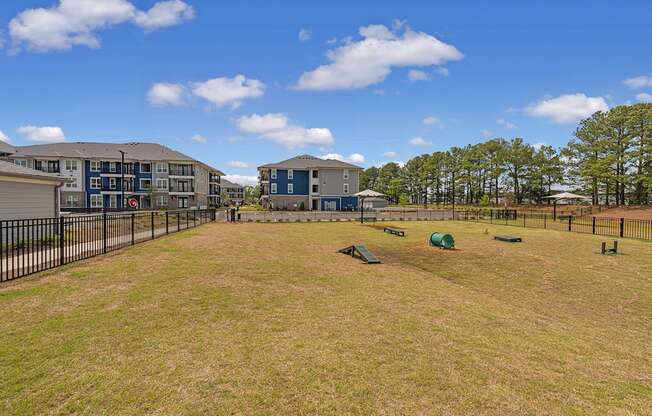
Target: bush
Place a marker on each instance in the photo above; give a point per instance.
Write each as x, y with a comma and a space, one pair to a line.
302, 206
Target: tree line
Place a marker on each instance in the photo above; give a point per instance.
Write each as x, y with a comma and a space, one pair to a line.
609, 159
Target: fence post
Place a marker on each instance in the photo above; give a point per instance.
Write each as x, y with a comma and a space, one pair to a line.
622, 227
62, 254
545, 220
187, 221
133, 233
593, 225
167, 223
104, 232
570, 222
178, 221
152, 223
524, 220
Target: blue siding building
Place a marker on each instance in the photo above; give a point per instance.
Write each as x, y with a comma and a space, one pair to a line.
310, 183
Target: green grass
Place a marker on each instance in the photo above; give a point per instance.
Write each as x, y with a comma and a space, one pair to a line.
269, 319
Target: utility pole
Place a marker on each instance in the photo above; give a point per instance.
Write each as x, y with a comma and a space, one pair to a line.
122, 179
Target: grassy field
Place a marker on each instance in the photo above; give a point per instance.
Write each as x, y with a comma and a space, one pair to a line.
269, 319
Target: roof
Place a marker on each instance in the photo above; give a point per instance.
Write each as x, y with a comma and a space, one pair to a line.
308, 161
12, 169
106, 151
368, 193
228, 184
567, 195
6, 148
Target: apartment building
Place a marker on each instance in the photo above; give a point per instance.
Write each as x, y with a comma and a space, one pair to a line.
155, 176
233, 192
310, 183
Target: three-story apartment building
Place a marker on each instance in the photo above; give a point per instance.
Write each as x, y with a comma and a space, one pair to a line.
308, 182
233, 192
156, 176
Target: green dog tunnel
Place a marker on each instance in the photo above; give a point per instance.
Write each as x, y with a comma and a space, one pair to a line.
442, 240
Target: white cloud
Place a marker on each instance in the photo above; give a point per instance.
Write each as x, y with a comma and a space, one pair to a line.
432, 121
4, 137
539, 145
352, 158
42, 134
380, 32
243, 180
166, 94
223, 91
390, 154
331, 41
644, 97
379, 92
508, 125
164, 14
305, 35
356, 158
442, 71
415, 75
485, 133
639, 82
569, 108
277, 127
358, 64
199, 138
75, 22
237, 164
420, 141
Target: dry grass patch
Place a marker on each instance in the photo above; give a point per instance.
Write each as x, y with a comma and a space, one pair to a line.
270, 319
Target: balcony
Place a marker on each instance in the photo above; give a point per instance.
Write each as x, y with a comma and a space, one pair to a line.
212, 178
182, 189
116, 171
181, 171
264, 176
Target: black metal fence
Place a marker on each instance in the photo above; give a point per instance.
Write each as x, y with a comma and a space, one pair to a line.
33, 245
610, 227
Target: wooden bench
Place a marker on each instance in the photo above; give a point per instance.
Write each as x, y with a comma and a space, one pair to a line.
508, 238
395, 231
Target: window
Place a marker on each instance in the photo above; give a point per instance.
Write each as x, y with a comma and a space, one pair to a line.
113, 201
162, 200
145, 167
71, 201
315, 174
346, 188
290, 188
315, 189
71, 165
146, 184
346, 174
96, 165
72, 183
113, 167
273, 188
161, 168
22, 163
182, 202
113, 183
96, 183
162, 184
273, 174
290, 174
96, 201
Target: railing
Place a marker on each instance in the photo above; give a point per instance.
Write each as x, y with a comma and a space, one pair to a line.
35, 245
181, 171
611, 227
177, 188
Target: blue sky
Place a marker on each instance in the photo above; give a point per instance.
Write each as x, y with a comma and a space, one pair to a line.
167, 71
